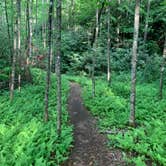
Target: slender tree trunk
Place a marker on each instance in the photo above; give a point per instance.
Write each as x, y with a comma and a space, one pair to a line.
48, 60
36, 11
147, 22
12, 84
29, 43
99, 17
118, 26
95, 53
19, 41
71, 15
8, 31
108, 48
30, 25
44, 26
162, 70
58, 65
134, 64
28, 33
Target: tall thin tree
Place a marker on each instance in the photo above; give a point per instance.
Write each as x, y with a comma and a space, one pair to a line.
162, 70
50, 17
147, 21
8, 31
29, 40
108, 46
134, 64
19, 41
12, 83
95, 45
58, 63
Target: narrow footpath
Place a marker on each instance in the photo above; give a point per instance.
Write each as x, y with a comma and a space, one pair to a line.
90, 147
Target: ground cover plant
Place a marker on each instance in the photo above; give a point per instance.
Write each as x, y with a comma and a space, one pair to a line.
25, 139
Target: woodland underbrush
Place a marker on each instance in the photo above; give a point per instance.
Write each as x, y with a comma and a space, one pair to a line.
25, 139
145, 143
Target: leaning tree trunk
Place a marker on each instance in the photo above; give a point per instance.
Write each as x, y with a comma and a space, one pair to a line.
48, 60
162, 70
134, 64
58, 65
108, 48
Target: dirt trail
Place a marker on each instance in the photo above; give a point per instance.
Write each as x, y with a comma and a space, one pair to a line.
89, 147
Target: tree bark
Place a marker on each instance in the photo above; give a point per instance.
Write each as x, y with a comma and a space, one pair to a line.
162, 70
29, 51
94, 30
95, 53
36, 11
147, 21
71, 14
58, 65
12, 84
19, 41
8, 31
108, 48
29, 42
48, 60
118, 26
134, 64
44, 27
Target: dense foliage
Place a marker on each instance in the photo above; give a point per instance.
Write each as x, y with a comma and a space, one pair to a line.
24, 137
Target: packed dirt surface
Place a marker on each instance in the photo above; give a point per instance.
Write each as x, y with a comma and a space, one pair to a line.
90, 147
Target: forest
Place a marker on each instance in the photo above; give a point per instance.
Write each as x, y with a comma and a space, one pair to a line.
82, 83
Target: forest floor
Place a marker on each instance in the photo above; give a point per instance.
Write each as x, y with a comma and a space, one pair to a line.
90, 147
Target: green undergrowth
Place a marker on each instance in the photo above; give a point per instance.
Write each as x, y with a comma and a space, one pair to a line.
25, 139
146, 142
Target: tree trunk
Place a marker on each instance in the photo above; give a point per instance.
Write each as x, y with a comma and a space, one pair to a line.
99, 17
95, 53
12, 84
134, 64
44, 27
58, 65
8, 31
108, 48
19, 41
71, 15
29, 43
30, 26
147, 22
162, 70
29, 52
36, 11
118, 26
48, 60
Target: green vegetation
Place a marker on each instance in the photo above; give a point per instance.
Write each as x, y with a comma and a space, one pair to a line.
111, 108
123, 39
24, 137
